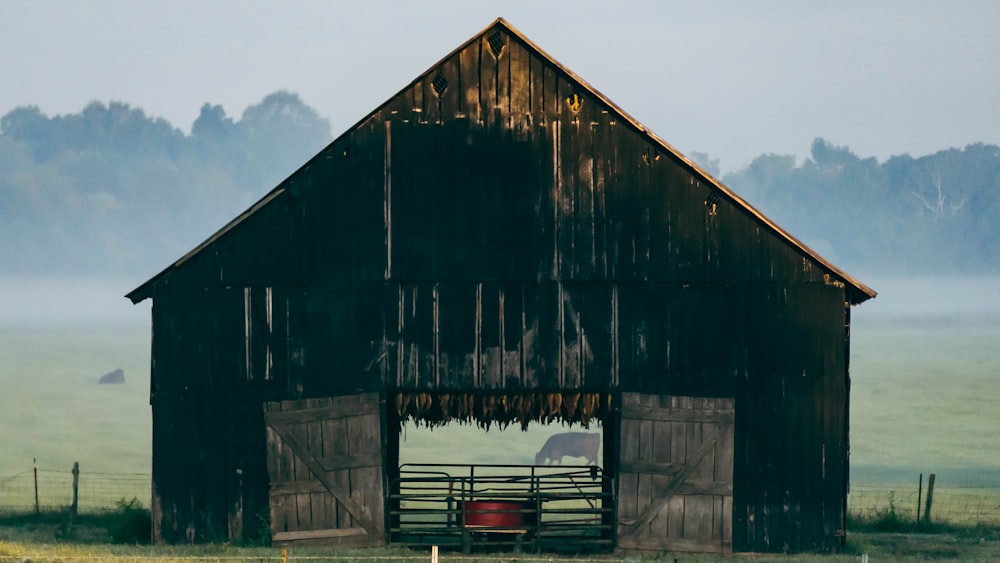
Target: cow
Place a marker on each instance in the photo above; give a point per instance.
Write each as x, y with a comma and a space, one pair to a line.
116, 377
569, 444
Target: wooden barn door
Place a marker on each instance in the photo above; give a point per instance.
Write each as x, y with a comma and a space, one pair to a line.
324, 459
676, 474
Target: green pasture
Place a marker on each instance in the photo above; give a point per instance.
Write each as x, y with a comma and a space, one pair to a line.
924, 399
52, 408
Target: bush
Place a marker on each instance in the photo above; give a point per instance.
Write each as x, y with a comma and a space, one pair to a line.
881, 520
130, 523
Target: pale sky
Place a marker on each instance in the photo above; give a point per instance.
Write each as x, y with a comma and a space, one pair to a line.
732, 79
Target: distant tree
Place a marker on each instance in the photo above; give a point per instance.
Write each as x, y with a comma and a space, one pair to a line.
710, 165
111, 189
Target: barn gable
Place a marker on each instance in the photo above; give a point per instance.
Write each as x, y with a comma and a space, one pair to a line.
504, 96
499, 228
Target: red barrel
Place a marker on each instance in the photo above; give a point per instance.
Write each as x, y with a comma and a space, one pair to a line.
495, 514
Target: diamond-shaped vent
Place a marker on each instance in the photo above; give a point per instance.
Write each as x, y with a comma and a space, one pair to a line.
497, 43
439, 84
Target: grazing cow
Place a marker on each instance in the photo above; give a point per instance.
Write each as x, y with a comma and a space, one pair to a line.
116, 377
569, 444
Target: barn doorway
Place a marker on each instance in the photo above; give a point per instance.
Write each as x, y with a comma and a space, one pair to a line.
663, 479
521, 472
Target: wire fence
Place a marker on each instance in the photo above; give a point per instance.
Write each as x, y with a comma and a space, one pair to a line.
960, 506
48, 489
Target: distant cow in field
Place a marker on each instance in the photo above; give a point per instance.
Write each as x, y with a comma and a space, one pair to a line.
116, 377
569, 444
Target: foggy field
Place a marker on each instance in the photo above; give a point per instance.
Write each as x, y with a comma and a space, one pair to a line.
53, 409
924, 395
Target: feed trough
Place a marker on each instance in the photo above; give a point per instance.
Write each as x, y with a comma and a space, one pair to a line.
494, 514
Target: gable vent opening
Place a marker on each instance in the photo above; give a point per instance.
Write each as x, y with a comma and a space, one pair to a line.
497, 42
439, 84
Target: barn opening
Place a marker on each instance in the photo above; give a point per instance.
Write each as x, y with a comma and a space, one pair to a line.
501, 471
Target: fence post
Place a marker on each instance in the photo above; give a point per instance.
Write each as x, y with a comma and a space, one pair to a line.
76, 485
930, 498
920, 490
34, 464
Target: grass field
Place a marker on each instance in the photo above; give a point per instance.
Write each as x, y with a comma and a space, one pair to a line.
924, 396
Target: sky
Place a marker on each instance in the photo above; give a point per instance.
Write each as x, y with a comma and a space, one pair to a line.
732, 79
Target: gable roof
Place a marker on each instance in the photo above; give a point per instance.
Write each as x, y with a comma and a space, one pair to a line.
857, 292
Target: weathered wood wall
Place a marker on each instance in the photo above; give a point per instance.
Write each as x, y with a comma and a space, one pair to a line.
499, 225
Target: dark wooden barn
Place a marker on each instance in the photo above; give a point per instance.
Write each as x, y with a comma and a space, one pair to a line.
499, 241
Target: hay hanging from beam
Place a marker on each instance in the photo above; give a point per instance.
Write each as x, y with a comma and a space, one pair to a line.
440, 408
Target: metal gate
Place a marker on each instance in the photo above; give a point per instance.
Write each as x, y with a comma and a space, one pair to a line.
472, 507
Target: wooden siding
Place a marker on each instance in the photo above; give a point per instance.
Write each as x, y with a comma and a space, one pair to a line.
676, 474
510, 230
324, 460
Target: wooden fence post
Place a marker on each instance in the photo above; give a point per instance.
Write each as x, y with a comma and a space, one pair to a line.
34, 463
76, 484
930, 498
920, 490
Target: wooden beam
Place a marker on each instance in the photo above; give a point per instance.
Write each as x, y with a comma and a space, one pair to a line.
712, 416
316, 534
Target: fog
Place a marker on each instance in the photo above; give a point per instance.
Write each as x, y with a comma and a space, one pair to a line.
945, 299
51, 300
48, 300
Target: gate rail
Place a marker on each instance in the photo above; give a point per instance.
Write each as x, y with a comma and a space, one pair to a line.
541, 508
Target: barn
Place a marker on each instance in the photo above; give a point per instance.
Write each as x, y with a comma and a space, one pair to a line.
500, 243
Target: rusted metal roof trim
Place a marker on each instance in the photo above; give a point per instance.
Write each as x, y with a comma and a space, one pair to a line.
857, 292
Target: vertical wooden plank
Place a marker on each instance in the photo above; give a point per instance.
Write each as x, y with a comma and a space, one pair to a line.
503, 81
451, 99
662, 185
628, 196
536, 100
431, 107
459, 321
597, 334
492, 329
415, 96
469, 82
542, 348
520, 83
314, 444
488, 71
337, 444
697, 516
301, 474
512, 332
584, 122
570, 303
602, 152
418, 335
567, 169
675, 510
628, 499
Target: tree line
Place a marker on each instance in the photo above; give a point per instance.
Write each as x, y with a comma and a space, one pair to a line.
113, 191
